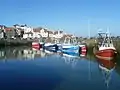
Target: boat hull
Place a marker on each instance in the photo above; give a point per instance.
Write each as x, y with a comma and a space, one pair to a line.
50, 46
83, 54
70, 53
83, 48
35, 45
70, 49
106, 54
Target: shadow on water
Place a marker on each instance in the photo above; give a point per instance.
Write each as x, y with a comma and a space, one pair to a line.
53, 73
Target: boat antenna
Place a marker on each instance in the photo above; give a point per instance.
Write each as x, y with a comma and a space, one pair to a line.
109, 35
108, 31
89, 29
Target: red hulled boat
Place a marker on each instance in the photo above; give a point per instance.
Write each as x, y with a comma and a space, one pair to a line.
106, 53
37, 44
83, 50
106, 50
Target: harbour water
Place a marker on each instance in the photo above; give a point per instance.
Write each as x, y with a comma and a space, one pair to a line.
23, 68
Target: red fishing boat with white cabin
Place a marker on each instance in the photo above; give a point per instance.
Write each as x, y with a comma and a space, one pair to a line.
106, 49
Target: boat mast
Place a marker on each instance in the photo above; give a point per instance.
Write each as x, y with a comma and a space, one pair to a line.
89, 29
89, 63
109, 36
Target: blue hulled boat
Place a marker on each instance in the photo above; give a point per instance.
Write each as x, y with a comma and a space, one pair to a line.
70, 46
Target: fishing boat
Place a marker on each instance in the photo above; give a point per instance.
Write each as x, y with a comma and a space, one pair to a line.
82, 50
59, 45
35, 44
38, 43
70, 46
106, 67
50, 46
106, 49
53, 45
83, 47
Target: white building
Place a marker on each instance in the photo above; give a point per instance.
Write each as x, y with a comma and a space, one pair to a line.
36, 33
40, 32
1, 35
51, 34
58, 34
24, 27
44, 33
28, 31
28, 35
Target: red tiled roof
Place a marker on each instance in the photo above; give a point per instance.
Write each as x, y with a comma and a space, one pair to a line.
9, 28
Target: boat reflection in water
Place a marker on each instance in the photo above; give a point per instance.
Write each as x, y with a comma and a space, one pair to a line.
71, 58
38, 53
49, 51
106, 67
21, 53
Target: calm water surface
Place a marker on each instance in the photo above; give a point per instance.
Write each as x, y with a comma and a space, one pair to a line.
27, 69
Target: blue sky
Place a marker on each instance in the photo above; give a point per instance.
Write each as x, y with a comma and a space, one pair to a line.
69, 15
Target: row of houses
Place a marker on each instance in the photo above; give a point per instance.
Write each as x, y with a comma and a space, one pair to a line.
30, 32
